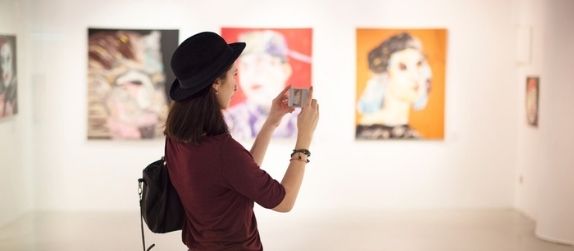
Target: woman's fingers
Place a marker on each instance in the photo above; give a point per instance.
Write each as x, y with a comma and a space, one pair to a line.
282, 93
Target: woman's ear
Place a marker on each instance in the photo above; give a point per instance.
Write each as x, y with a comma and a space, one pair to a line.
216, 85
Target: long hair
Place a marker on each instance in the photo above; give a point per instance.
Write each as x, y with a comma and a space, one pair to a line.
189, 120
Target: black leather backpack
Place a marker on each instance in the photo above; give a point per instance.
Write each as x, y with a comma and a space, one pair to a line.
160, 206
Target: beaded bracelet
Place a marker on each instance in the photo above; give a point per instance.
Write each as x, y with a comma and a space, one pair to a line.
300, 159
303, 151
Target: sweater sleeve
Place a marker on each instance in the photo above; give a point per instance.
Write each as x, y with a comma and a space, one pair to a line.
242, 174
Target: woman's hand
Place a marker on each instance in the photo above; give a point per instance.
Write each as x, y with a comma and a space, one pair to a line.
279, 107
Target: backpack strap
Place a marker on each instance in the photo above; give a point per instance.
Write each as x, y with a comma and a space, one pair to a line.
140, 191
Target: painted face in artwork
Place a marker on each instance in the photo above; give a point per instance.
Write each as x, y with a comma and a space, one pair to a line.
409, 75
6, 64
263, 66
532, 101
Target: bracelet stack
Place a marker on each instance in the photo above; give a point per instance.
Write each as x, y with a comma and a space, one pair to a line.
301, 152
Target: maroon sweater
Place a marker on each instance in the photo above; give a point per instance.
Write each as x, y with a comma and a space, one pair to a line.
217, 182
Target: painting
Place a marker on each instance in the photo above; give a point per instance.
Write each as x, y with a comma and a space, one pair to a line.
400, 88
532, 94
128, 78
272, 59
8, 77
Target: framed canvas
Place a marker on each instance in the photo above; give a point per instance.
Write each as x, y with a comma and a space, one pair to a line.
532, 94
272, 60
400, 84
128, 79
8, 77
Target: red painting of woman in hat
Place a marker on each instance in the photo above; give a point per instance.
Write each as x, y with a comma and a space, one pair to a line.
272, 59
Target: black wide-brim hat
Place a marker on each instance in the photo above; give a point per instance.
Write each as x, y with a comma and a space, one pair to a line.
198, 61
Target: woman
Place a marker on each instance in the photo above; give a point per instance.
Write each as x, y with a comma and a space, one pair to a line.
401, 80
218, 180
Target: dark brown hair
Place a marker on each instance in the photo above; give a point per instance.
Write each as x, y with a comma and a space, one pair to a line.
379, 56
189, 120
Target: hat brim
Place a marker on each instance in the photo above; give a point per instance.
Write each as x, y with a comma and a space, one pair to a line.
177, 93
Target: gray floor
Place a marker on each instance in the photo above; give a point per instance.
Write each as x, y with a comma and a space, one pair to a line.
467, 230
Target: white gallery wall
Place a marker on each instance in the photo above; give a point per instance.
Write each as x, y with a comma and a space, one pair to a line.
16, 185
473, 167
529, 158
489, 158
544, 158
